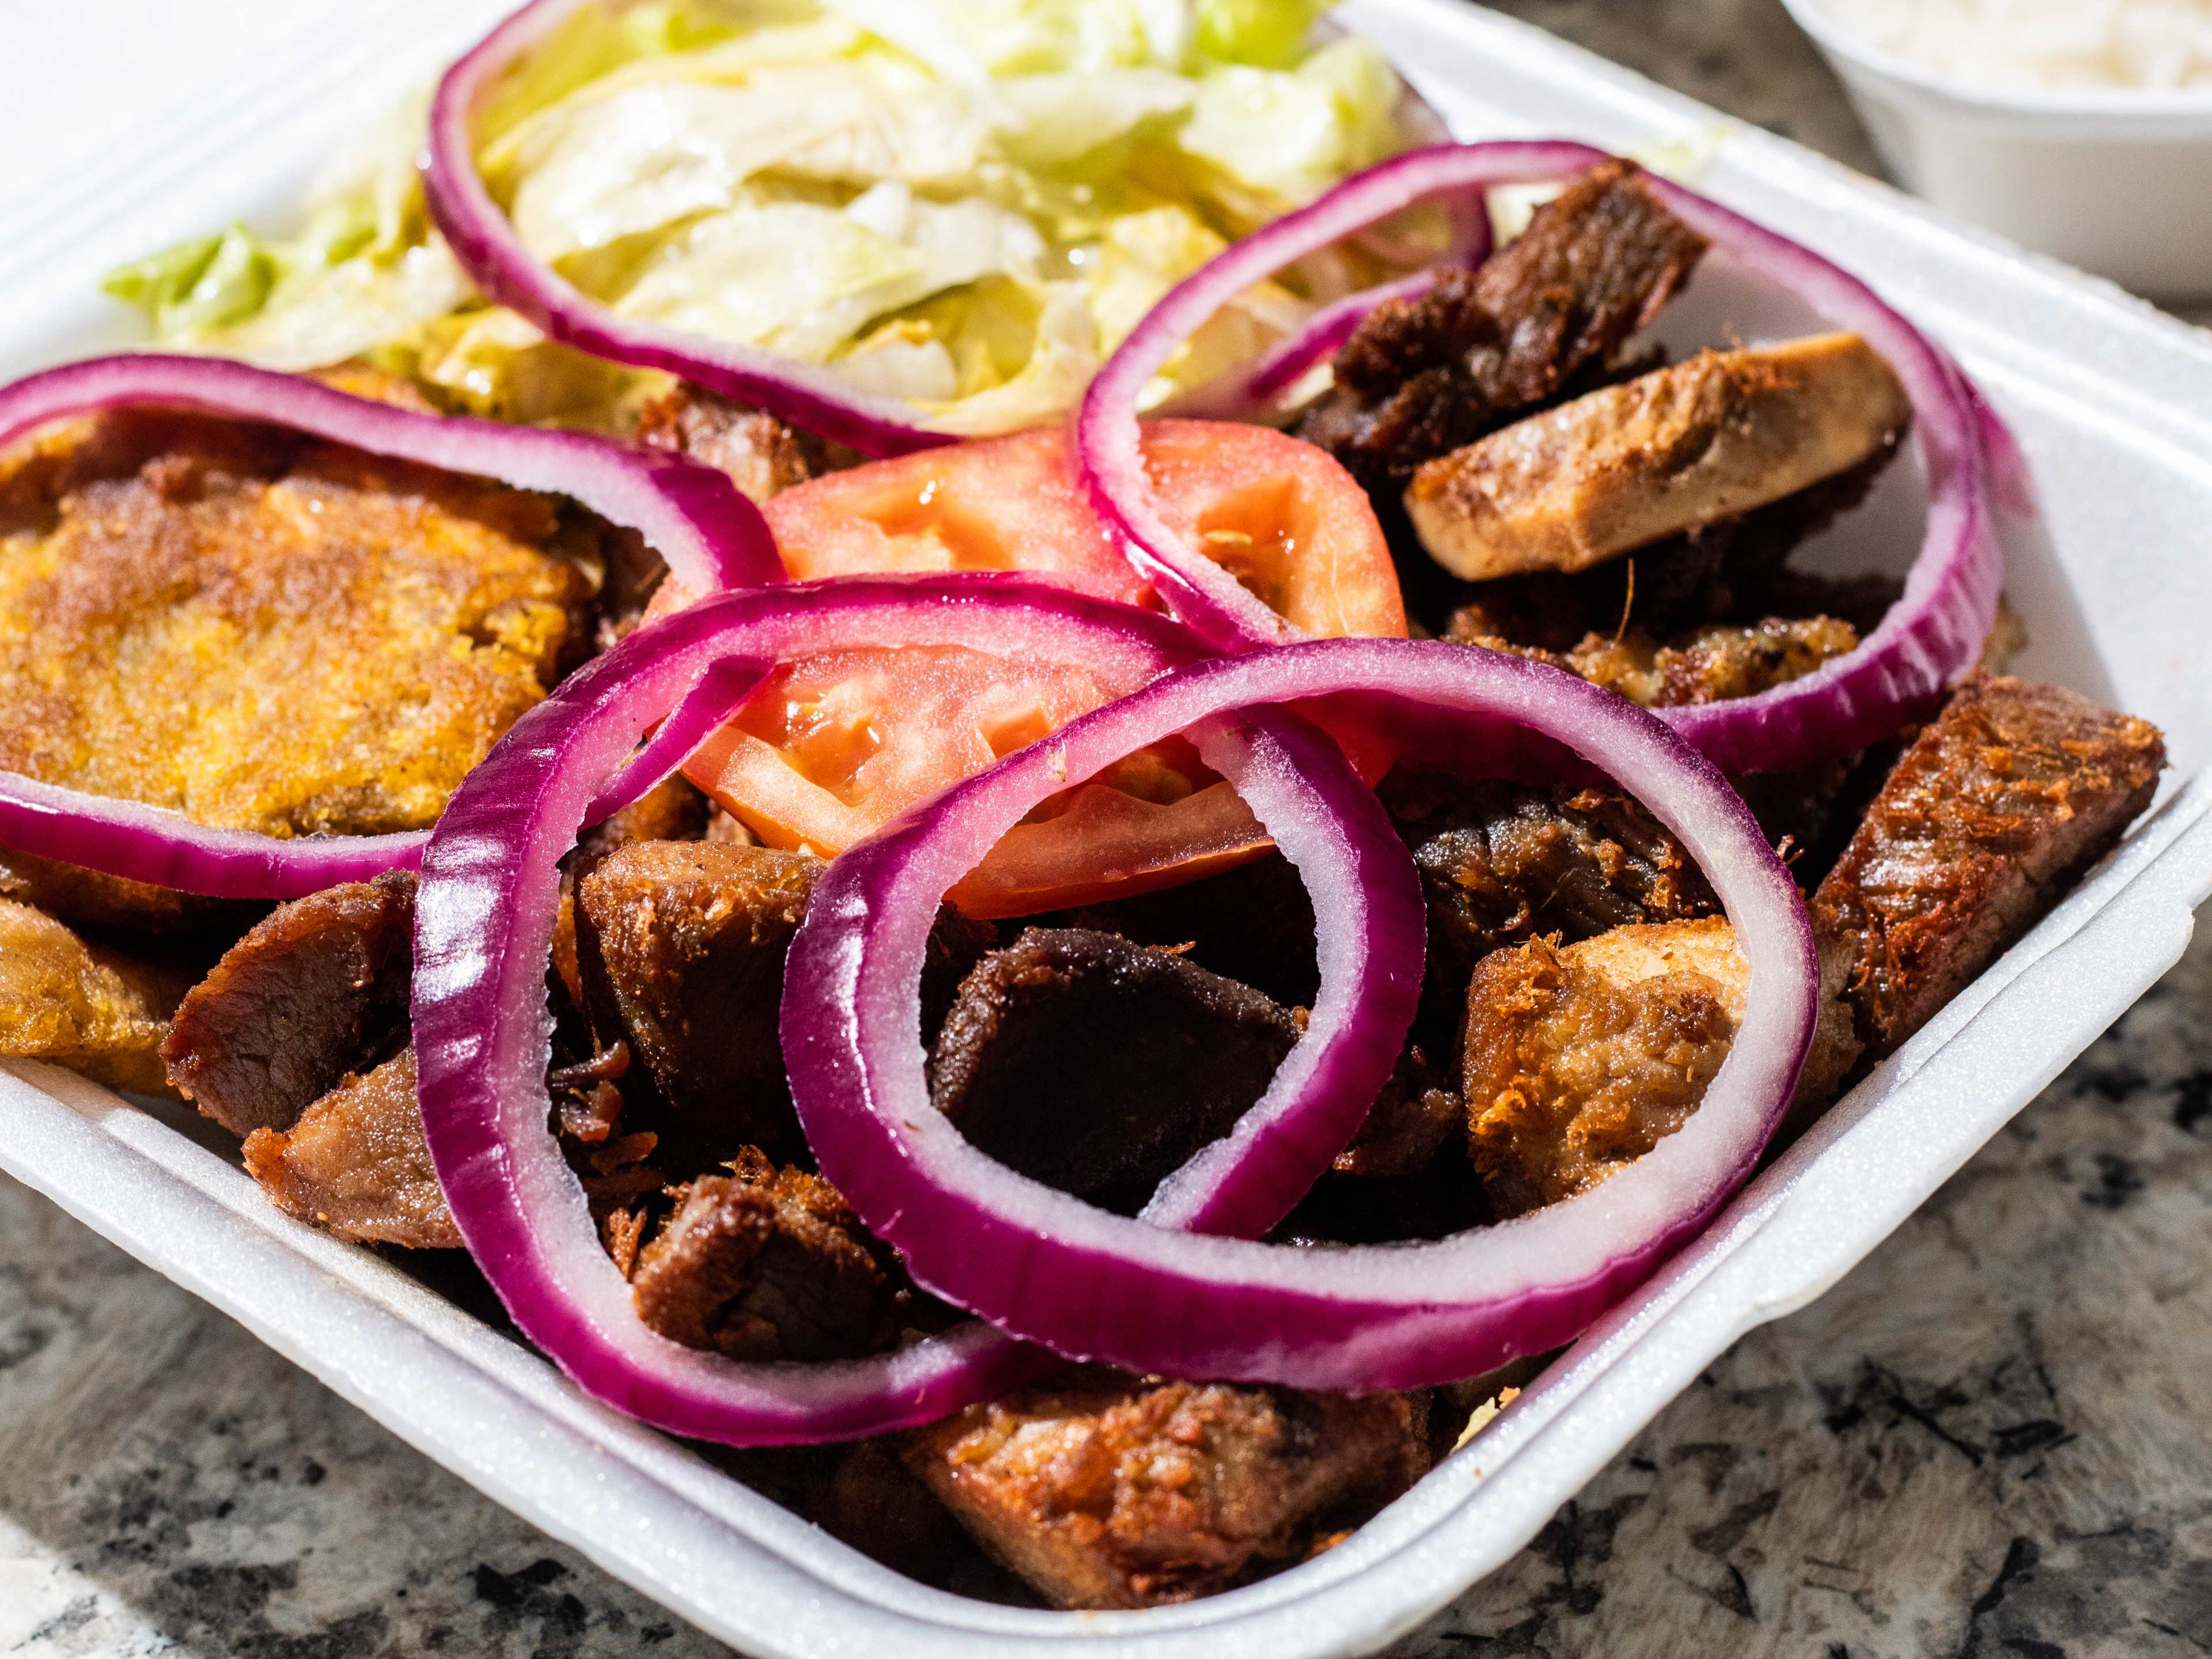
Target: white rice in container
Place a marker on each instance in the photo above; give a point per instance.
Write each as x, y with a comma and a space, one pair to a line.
2160, 46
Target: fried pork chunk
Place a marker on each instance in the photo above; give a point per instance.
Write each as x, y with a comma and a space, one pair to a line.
65, 1001
315, 993
1993, 812
1502, 863
762, 455
1664, 455
263, 632
1106, 1493
767, 1263
1578, 1060
1552, 311
681, 945
357, 1165
1100, 1067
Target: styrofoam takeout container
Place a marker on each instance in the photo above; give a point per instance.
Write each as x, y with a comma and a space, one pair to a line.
2116, 182
2114, 406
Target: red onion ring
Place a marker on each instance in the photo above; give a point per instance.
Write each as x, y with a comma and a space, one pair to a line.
1247, 393
500, 265
484, 917
1045, 1267
1929, 637
693, 515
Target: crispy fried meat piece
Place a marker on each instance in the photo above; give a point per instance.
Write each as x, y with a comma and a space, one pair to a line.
265, 633
1666, 455
315, 993
1994, 811
762, 456
1106, 1493
767, 1263
1713, 665
681, 947
355, 1163
66, 1001
1578, 1060
1502, 863
1100, 1067
1426, 376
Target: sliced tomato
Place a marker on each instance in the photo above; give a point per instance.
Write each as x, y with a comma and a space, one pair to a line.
836, 744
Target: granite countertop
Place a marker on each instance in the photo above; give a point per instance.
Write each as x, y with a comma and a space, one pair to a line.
1989, 1440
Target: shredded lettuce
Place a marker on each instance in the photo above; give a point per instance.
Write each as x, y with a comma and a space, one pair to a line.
965, 203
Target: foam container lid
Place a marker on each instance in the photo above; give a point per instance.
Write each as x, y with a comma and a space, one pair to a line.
2113, 404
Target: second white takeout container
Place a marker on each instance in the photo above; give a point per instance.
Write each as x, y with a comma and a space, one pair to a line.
2118, 182
2113, 404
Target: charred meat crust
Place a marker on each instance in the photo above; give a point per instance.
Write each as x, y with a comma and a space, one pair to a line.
1425, 376
1106, 1493
316, 992
765, 1264
1100, 1067
1502, 863
1994, 811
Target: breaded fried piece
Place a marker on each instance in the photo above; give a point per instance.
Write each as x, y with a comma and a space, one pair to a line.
61, 1000
264, 633
1426, 376
1665, 455
681, 946
1712, 665
1995, 811
1103, 1491
355, 1163
1579, 1060
316, 993
762, 455
767, 1263
1100, 1067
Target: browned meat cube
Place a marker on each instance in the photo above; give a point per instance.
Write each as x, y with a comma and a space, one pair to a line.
1994, 811
1105, 1492
1100, 1067
1423, 377
681, 945
1502, 863
1578, 1062
355, 1163
316, 992
1666, 454
762, 456
767, 1263
62, 1000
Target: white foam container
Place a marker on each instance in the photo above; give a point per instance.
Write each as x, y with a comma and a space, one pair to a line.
2118, 182
2114, 406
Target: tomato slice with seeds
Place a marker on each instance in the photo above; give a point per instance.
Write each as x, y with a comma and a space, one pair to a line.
835, 744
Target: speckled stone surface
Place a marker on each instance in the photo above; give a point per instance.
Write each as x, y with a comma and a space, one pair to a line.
1989, 1440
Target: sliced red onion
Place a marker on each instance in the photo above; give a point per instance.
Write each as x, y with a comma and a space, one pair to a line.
1929, 637
710, 535
484, 918
1045, 1267
500, 265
